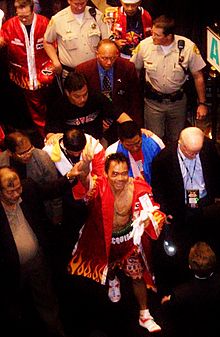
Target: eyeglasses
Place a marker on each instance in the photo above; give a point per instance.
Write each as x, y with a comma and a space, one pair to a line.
105, 58
25, 153
11, 192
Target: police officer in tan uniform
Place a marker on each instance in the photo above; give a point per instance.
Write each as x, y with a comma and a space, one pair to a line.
167, 59
76, 30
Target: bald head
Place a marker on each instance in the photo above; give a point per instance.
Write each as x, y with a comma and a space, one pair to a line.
107, 53
10, 186
191, 141
8, 176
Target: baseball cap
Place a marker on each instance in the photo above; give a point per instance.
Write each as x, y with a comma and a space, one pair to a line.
131, 1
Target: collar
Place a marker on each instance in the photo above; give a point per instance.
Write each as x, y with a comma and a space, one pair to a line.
204, 277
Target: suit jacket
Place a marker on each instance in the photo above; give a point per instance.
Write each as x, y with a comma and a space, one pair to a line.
34, 212
167, 182
191, 310
126, 95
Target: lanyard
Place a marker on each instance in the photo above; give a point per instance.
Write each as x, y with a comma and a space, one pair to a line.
66, 154
187, 169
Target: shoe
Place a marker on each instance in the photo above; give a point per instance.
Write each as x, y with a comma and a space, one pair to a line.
147, 322
114, 292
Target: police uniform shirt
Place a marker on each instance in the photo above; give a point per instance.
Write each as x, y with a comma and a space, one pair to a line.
77, 41
162, 70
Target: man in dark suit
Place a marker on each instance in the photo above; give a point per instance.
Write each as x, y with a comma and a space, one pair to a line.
185, 182
23, 253
190, 309
125, 87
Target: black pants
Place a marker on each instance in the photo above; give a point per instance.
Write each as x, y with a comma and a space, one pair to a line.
36, 297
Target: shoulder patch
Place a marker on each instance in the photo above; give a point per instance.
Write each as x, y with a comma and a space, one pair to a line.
196, 49
103, 18
51, 22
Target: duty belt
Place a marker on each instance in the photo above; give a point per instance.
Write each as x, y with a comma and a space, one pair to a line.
151, 93
67, 68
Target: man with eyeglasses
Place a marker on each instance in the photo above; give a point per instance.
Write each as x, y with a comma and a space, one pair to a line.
185, 182
24, 256
124, 91
73, 34
31, 162
30, 68
138, 148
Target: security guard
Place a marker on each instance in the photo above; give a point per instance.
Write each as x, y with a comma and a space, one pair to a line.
73, 34
167, 59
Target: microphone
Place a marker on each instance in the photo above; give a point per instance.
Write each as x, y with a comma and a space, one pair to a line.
92, 12
181, 45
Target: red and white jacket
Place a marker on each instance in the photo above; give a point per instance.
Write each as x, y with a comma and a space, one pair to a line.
121, 22
26, 54
63, 165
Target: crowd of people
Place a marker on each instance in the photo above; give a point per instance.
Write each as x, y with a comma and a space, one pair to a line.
101, 173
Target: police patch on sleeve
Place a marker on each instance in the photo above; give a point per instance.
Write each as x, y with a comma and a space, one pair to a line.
51, 22
196, 49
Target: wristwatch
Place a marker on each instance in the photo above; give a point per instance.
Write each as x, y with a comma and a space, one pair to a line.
203, 103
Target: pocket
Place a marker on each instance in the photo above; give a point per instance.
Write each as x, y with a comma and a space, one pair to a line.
94, 37
151, 68
178, 73
71, 44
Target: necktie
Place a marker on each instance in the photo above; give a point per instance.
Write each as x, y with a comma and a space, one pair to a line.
107, 88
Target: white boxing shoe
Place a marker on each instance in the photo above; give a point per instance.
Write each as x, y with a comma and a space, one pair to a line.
147, 321
114, 292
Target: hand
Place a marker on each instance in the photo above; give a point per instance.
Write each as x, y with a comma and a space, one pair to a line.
165, 299
201, 112
168, 219
57, 67
147, 133
106, 124
75, 171
52, 138
88, 154
121, 42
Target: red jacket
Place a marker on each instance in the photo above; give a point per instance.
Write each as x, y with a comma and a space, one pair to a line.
25, 70
91, 253
122, 22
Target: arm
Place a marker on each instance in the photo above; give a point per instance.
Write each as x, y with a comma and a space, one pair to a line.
199, 81
137, 59
88, 156
52, 53
51, 138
